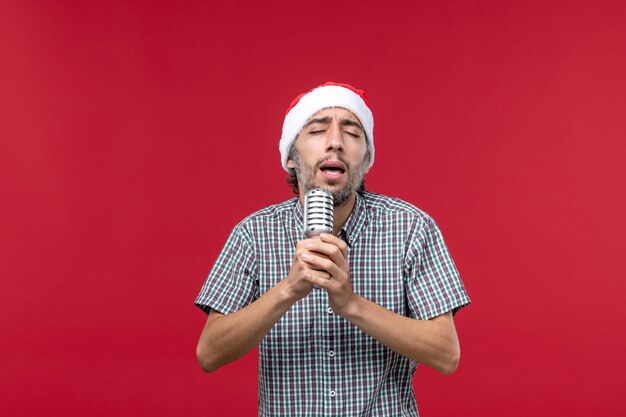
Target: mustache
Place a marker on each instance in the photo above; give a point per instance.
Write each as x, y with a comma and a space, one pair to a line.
332, 157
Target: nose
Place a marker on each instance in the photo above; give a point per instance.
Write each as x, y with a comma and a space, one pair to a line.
335, 138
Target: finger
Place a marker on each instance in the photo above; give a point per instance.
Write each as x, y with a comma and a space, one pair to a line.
343, 246
329, 250
307, 244
316, 262
317, 280
318, 271
302, 254
319, 274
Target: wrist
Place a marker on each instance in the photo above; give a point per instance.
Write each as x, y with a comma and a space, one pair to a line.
287, 294
352, 309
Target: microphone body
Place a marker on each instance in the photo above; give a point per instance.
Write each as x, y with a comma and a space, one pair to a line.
318, 212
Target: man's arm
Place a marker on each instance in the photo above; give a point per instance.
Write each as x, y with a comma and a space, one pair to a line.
431, 342
226, 338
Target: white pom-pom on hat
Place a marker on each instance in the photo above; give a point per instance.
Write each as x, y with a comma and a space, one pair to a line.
327, 95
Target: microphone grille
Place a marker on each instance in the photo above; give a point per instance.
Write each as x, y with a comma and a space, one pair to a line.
318, 212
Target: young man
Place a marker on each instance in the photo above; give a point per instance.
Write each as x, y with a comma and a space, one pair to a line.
341, 320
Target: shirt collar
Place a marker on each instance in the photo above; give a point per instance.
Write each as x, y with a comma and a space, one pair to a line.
298, 219
357, 219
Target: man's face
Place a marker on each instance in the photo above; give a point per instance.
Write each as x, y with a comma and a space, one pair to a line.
329, 153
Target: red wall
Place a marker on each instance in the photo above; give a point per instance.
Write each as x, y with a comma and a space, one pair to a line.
134, 135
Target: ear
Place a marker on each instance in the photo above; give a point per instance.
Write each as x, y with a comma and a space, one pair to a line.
291, 164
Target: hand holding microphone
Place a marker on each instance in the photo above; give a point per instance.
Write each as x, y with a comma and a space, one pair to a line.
318, 218
326, 254
318, 214
321, 261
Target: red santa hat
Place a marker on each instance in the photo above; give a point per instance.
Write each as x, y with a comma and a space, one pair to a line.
327, 95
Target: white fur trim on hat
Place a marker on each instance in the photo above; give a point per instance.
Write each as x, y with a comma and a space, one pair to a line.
321, 98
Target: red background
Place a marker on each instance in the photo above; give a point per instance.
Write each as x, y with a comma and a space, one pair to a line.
134, 135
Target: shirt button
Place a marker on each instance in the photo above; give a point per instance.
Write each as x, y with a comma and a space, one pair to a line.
332, 394
331, 353
329, 310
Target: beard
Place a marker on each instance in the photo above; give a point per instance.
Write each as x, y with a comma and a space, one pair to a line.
306, 176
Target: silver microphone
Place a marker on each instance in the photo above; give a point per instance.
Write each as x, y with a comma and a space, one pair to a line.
318, 212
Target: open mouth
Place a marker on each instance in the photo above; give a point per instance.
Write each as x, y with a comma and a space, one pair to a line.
333, 167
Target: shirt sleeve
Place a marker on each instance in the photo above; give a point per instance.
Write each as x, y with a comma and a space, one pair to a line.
232, 283
433, 283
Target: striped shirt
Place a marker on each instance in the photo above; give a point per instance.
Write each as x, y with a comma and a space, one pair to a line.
314, 362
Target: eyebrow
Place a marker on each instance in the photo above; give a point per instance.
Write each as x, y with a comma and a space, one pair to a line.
328, 119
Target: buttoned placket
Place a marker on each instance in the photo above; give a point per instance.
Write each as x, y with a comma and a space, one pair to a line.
327, 350
331, 353
324, 346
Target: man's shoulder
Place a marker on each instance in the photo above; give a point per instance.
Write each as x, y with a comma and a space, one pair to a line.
273, 213
383, 205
